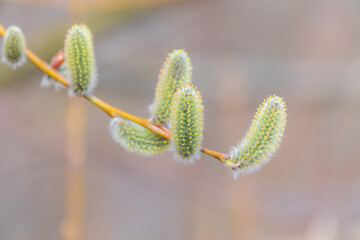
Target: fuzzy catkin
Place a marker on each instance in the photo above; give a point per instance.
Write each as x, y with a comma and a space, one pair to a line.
79, 55
136, 138
13, 47
186, 123
263, 138
176, 71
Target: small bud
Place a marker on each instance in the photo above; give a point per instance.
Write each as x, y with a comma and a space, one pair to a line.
79, 55
175, 72
262, 140
13, 47
136, 138
59, 64
186, 123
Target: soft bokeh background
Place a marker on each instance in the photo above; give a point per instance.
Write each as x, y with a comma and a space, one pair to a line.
307, 51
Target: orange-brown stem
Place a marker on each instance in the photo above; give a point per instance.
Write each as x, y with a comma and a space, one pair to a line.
107, 108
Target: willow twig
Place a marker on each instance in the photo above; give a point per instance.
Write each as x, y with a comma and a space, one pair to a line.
107, 108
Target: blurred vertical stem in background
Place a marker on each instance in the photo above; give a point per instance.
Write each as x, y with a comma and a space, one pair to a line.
75, 167
75, 154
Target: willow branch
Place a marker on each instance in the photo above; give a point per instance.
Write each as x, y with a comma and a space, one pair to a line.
107, 108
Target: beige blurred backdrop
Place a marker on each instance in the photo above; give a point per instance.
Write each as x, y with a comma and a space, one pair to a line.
242, 51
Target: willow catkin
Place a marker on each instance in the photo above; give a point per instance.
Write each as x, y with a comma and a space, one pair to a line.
262, 140
175, 72
13, 47
186, 123
136, 138
79, 55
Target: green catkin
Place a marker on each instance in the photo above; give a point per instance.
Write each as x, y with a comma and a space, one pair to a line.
176, 71
186, 123
13, 47
136, 138
79, 55
262, 140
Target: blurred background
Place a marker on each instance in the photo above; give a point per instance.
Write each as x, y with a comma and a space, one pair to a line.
242, 51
